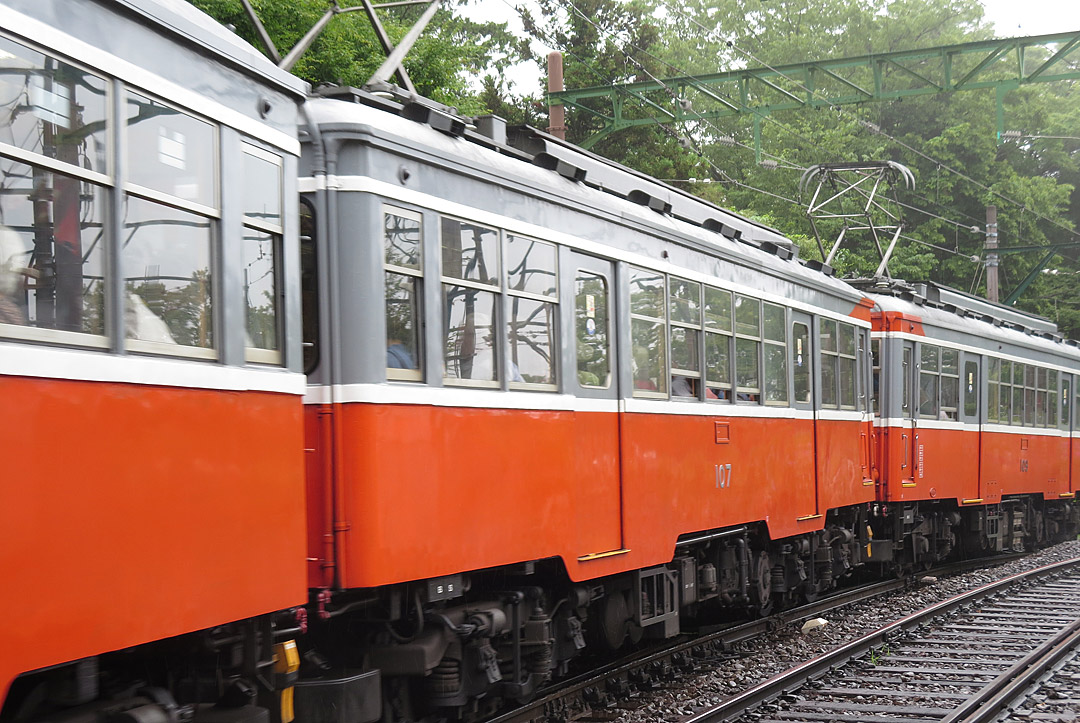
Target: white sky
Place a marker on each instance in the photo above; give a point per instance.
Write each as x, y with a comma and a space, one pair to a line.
1011, 18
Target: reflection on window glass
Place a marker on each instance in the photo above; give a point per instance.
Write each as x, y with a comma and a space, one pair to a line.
828, 381
775, 373
262, 189
470, 252
52, 258
993, 389
1052, 399
52, 108
402, 321
1066, 383
800, 355
685, 302
774, 322
260, 289
905, 393
470, 334
166, 256
846, 373
971, 389
309, 287
827, 330
531, 329
646, 293
591, 327
649, 362
717, 309
170, 151
929, 357
1017, 405
928, 394
530, 266
747, 316
748, 386
717, 366
685, 357
401, 240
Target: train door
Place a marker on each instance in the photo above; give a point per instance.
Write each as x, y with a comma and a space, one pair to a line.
802, 356
908, 433
594, 382
971, 410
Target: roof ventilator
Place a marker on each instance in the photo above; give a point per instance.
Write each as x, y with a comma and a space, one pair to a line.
820, 266
563, 168
711, 224
781, 252
644, 199
443, 122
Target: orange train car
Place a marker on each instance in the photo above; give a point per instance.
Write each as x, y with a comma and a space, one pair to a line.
338, 407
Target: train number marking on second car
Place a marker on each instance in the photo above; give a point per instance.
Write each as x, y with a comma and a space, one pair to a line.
723, 476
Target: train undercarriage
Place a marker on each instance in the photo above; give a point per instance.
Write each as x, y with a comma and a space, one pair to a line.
461, 647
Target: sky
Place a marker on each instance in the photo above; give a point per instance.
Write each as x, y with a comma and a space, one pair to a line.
1011, 18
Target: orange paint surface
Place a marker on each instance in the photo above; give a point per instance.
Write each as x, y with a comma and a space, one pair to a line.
133, 513
897, 321
863, 310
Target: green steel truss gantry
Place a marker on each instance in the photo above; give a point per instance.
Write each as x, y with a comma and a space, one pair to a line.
1003, 65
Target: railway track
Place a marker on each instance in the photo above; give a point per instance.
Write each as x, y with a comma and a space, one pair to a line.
605, 693
969, 659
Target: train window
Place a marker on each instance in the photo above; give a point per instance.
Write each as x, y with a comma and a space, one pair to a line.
993, 389
1030, 390
1052, 398
929, 371
593, 326
747, 349
648, 332
52, 255
684, 299
169, 283
1066, 384
775, 354
905, 383
470, 252
309, 286
402, 241
829, 353
1040, 397
950, 384
971, 389
800, 339
56, 109
170, 151
532, 287
470, 260
1018, 394
261, 255
846, 365
717, 344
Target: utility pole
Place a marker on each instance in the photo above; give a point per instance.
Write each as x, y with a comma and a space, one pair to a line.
556, 113
991, 254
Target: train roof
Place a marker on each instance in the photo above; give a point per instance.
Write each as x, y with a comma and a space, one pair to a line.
530, 159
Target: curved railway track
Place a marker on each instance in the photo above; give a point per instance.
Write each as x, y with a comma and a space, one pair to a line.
603, 693
966, 659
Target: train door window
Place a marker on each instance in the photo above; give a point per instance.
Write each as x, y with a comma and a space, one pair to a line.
532, 288
170, 151
875, 378
718, 341
169, 284
971, 389
56, 109
950, 384
470, 277
309, 286
829, 354
1066, 399
1017, 394
403, 238
261, 255
929, 371
1041, 393
648, 333
993, 389
800, 362
1052, 398
592, 322
747, 349
774, 327
52, 255
905, 383
684, 312
846, 364
1030, 392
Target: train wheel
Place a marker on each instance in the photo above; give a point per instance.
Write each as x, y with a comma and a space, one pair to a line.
613, 621
761, 600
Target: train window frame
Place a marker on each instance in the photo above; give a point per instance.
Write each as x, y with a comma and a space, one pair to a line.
949, 409
276, 231
829, 353
971, 388
1052, 399
582, 316
875, 375
657, 326
493, 287
417, 275
847, 358
745, 394
311, 323
548, 300
692, 330
777, 376
1065, 399
929, 375
993, 389
718, 334
1017, 415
